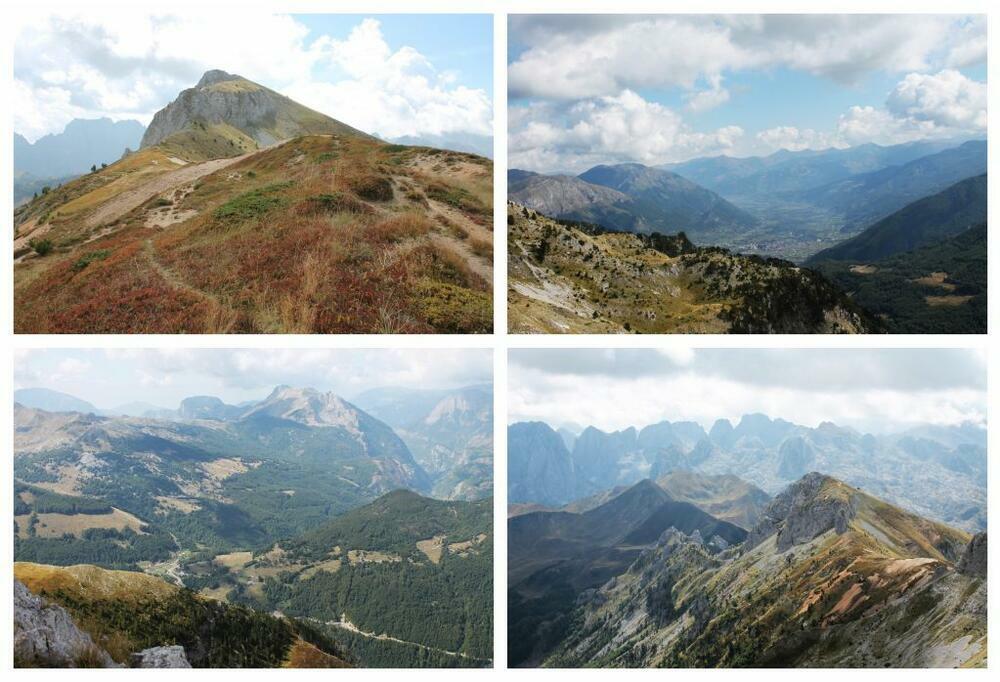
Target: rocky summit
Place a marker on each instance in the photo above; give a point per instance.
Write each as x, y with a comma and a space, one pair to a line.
233, 102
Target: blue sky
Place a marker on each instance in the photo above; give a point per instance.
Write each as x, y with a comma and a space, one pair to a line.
391, 75
586, 89
112, 377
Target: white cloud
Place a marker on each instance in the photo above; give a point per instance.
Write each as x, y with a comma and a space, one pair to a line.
574, 57
165, 376
795, 139
618, 128
947, 99
626, 388
129, 65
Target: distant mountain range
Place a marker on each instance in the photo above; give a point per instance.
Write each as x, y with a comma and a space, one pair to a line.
787, 171
82, 144
941, 475
829, 576
787, 204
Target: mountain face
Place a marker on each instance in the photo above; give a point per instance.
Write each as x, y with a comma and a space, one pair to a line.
786, 171
628, 197
830, 577
869, 197
249, 115
555, 558
922, 223
244, 212
449, 432
939, 288
130, 619
52, 401
301, 503
937, 473
685, 206
565, 277
539, 466
82, 144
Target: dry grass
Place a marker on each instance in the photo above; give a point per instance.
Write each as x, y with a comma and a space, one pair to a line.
321, 245
56, 525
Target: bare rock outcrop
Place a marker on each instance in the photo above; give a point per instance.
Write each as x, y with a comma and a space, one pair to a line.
804, 510
45, 635
973, 562
160, 657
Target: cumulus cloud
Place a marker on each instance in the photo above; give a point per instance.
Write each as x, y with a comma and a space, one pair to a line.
584, 89
947, 99
129, 65
590, 57
618, 128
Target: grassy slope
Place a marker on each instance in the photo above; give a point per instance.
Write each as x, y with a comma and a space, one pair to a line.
320, 235
564, 279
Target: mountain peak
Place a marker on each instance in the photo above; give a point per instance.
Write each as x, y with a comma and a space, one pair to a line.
213, 76
308, 406
806, 509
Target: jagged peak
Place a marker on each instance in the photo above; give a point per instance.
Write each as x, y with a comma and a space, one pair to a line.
806, 509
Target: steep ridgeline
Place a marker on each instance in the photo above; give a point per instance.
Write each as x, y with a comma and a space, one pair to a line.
404, 581
231, 111
84, 616
577, 278
938, 473
129, 490
830, 577
245, 212
631, 198
449, 432
555, 557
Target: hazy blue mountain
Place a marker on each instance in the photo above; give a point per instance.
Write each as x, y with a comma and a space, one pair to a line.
471, 143
207, 407
52, 401
539, 467
866, 198
449, 432
628, 197
924, 222
82, 144
788, 171
946, 483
